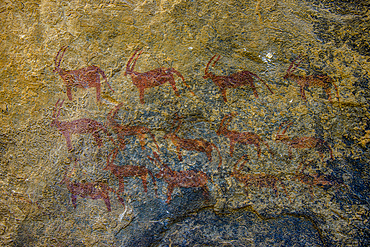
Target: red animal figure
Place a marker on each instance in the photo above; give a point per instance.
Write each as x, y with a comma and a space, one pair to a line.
126, 130
242, 78
198, 145
303, 142
94, 190
315, 180
79, 126
257, 180
181, 179
128, 171
82, 78
151, 78
240, 137
310, 81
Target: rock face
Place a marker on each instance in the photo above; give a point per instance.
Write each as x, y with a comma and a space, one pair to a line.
237, 123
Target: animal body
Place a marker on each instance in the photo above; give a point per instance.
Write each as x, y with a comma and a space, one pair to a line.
181, 179
198, 145
304, 82
260, 180
242, 78
92, 190
128, 171
240, 137
126, 130
318, 180
318, 144
82, 78
152, 78
79, 126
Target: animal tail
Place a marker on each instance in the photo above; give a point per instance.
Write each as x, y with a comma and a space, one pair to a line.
219, 154
155, 184
262, 81
104, 77
183, 80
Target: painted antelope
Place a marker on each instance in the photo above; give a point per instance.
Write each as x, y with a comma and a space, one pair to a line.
260, 180
303, 142
92, 190
79, 126
198, 145
180, 179
152, 78
128, 171
304, 82
82, 78
240, 137
126, 130
242, 78
321, 180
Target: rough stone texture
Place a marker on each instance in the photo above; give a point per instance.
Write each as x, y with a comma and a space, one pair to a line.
263, 37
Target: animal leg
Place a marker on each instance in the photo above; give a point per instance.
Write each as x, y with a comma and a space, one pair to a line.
69, 92
121, 185
169, 192
205, 192
141, 92
303, 94
155, 184
74, 200
290, 152
97, 138
268, 148
107, 202
258, 150
232, 145
254, 89
98, 91
328, 92
67, 135
223, 93
143, 178
311, 192
121, 141
179, 152
209, 155
173, 84
142, 141
321, 156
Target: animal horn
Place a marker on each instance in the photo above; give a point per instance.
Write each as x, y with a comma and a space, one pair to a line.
55, 108
129, 62
214, 63
292, 64
61, 56
60, 108
286, 128
296, 64
56, 57
133, 65
206, 70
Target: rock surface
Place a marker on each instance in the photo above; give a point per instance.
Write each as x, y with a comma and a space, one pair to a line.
309, 186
